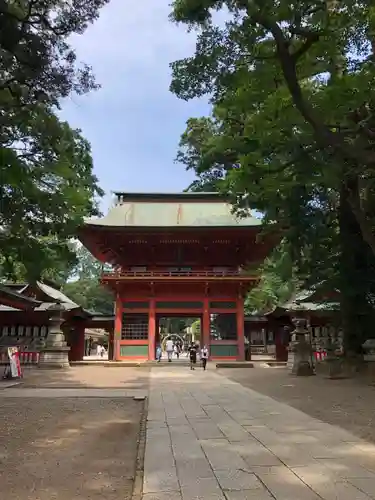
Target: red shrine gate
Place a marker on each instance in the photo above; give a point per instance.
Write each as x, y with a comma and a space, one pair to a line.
176, 255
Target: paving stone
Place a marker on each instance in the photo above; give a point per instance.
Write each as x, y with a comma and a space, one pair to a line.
222, 455
325, 483
203, 489
347, 469
212, 439
177, 430
285, 485
237, 480
207, 430
233, 431
190, 451
163, 495
160, 480
155, 462
192, 470
156, 424
365, 484
292, 456
255, 454
248, 495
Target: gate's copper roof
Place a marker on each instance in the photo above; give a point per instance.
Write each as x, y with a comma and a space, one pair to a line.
172, 210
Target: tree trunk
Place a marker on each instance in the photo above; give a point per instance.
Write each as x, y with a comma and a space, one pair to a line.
357, 278
365, 224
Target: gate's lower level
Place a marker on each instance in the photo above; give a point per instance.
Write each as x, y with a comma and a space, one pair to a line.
137, 331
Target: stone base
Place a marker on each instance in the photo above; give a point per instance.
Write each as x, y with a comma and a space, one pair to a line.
370, 368
303, 369
54, 358
290, 362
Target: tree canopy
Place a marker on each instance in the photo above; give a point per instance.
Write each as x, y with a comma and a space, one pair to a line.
46, 170
291, 84
292, 127
84, 285
277, 283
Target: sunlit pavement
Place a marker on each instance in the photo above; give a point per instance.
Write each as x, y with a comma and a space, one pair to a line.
96, 357
210, 438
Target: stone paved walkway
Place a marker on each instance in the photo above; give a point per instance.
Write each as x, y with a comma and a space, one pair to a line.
212, 439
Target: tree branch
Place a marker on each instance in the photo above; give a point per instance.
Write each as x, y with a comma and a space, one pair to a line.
324, 136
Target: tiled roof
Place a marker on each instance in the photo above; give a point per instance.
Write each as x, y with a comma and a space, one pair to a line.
9, 298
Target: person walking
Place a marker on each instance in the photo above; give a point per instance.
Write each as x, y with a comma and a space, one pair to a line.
193, 356
177, 351
169, 349
98, 350
158, 353
204, 357
89, 347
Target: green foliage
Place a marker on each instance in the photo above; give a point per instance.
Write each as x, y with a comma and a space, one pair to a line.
196, 328
292, 130
277, 283
87, 267
47, 185
85, 288
91, 295
291, 84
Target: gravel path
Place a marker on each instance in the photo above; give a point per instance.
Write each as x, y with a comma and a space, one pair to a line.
68, 449
349, 404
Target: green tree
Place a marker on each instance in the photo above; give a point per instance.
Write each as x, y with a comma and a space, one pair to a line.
47, 185
291, 130
276, 285
84, 286
91, 295
87, 267
301, 75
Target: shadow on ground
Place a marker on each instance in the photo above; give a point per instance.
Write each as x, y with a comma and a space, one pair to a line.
81, 448
87, 377
348, 403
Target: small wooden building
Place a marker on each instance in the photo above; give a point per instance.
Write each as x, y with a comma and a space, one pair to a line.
25, 315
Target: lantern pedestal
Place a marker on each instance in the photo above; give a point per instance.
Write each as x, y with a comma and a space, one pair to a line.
300, 351
55, 352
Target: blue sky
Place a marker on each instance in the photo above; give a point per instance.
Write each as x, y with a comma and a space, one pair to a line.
133, 122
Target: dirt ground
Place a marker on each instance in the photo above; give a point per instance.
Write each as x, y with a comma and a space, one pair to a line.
349, 403
82, 448
90, 376
65, 449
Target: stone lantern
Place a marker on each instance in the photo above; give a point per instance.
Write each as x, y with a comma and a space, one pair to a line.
369, 355
55, 352
300, 350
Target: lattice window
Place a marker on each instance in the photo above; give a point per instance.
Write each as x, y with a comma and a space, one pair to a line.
223, 326
134, 326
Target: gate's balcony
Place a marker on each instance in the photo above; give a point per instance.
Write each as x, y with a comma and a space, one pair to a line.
230, 274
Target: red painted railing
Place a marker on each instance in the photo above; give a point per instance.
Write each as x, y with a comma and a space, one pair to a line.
26, 358
320, 355
166, 274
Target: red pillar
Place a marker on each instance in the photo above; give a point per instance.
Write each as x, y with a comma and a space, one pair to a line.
151, 330
206, 324
240, 330
117, 332
77, 342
